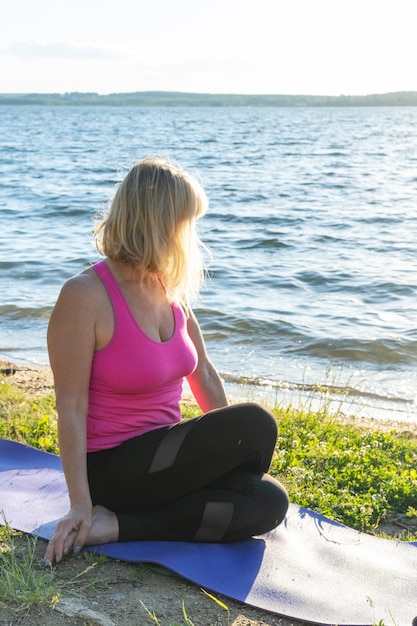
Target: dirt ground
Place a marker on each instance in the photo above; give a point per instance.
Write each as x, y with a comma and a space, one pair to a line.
114, 593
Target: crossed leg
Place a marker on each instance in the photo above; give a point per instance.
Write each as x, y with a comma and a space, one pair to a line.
200, 480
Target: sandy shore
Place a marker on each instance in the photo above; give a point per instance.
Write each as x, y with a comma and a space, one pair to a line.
33, 380
37, 380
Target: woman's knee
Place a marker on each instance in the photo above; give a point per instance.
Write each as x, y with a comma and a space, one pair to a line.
234, 435
262, 507
260, 431
273, 504
253, 421
264, 418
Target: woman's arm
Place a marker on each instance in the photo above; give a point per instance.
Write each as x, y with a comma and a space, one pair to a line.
71, 344
205, 382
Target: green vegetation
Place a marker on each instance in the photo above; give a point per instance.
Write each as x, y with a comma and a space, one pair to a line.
31, 421
24, 581
356, 476
21, 583
179, 99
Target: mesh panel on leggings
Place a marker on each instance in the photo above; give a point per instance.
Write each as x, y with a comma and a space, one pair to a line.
169, 447
215, 522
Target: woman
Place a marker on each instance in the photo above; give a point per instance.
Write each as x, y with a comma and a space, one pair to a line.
121, 339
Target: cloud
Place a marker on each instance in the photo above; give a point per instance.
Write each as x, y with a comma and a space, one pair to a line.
58, 50
209, 66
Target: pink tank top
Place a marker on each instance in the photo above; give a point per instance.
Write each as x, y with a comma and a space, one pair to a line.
136, 382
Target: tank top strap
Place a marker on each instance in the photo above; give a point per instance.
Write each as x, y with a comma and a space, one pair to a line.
115, 294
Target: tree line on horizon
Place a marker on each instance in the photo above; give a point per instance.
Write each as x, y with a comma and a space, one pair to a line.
168, 98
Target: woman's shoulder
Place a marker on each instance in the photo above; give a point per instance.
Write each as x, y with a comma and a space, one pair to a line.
84, 284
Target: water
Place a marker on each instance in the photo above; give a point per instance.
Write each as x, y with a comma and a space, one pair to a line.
312, 227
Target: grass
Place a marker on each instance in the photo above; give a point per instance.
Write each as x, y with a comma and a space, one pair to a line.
32, 421
359, 477
26, 582
21, 583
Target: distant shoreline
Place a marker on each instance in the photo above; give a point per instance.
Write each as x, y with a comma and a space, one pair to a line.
181, 99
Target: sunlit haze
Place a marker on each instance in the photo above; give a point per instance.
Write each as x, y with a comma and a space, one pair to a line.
323, 47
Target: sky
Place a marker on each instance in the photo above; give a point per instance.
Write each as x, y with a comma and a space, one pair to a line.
319, 47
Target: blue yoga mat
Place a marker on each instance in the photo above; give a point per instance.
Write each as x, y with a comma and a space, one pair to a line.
310, 568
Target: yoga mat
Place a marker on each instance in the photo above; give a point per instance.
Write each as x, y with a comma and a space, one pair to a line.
310, 568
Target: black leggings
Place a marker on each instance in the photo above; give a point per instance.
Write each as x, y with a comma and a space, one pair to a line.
203, 479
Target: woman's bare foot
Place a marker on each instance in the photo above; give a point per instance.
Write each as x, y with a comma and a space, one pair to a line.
104, 526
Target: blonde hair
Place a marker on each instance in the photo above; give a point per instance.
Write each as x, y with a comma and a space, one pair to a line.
151, 223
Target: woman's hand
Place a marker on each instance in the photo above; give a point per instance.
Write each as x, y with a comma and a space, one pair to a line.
205, 382
70, 534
